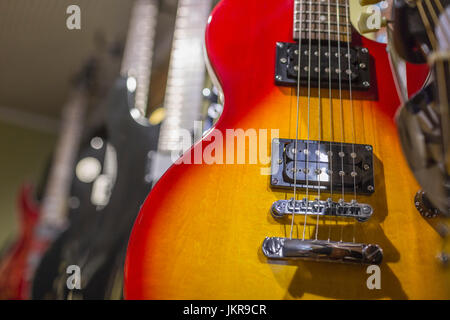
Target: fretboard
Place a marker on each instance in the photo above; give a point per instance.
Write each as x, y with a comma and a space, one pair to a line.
322, 19
137, 60
54, 203
183, 99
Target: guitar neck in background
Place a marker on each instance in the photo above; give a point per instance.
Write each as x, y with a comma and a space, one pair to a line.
54, 203
137, 62
183, 99
186, 77
138, 55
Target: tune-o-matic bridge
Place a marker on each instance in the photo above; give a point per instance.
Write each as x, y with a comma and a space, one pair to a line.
360, 211
324, 165
286, 70
319, 250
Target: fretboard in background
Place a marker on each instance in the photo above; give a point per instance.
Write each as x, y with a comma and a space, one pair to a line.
54, 204
183, 99
138, 55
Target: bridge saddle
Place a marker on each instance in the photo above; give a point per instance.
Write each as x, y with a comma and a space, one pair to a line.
360, 211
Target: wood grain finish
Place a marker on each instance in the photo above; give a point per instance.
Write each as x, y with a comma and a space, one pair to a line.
199, 233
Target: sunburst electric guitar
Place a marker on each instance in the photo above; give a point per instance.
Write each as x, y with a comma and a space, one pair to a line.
300, 190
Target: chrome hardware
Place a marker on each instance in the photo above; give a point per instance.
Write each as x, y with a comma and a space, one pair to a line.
422, 120
421, 136
424, 206
360, 211
443, 258
322, 165
319, 250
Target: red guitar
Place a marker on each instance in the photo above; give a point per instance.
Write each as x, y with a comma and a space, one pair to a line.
225, 222
42, 223
14, 261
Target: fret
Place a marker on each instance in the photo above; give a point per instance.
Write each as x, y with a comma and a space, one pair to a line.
325, 36
314, 22
332, 3
324, 15
138, 55
183, 99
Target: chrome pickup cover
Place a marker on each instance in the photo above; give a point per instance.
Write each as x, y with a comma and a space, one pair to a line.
319, 250
322, 165
360, 211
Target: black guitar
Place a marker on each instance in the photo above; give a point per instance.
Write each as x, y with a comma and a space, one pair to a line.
111, 180
119, 162
103, 209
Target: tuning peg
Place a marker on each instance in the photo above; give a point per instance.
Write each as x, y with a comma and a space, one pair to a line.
368, 2
367, 26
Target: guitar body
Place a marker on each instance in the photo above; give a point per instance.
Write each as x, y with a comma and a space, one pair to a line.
200, 231
13, 265
97, 234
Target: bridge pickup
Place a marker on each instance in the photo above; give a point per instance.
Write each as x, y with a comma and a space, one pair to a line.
319, 250
328, 166
286, 70
360, 211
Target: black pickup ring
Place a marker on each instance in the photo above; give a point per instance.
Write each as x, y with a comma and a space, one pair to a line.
286, 70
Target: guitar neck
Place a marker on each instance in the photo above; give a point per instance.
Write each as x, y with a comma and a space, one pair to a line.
186, 76
54, 204
138, 55
324, 20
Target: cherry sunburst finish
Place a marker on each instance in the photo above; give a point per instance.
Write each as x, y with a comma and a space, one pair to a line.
200, 231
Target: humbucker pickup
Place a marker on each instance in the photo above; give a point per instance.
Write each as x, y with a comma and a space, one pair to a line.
325, 165
287, 58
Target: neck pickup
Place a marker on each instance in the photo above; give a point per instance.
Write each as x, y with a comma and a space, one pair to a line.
328, 65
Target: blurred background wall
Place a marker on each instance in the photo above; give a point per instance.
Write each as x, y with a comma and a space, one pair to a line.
24, 152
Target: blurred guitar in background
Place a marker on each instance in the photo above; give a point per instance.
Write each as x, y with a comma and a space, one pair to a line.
110, 177
41, 223
124, 153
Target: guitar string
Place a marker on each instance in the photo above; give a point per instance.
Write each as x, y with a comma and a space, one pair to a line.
330, 155
443, 14
341, 173
440, 70
306, 172
318, 154
435, 16
294, 200
426, 23
431, 11
349, 72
